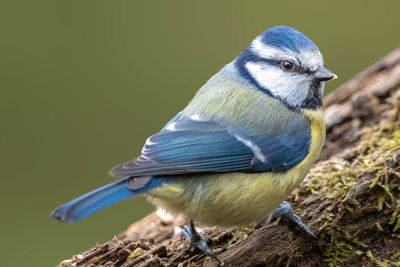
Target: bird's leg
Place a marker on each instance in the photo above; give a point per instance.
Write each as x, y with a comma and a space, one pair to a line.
196, 240
285, 210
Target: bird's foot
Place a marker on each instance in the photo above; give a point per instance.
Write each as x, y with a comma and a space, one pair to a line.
285, 210
196, 240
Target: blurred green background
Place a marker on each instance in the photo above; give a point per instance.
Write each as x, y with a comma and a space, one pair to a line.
83, 83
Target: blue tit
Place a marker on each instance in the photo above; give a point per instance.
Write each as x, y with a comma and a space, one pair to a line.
238, 149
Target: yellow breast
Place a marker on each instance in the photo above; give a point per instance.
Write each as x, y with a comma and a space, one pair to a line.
318, 131
238, 198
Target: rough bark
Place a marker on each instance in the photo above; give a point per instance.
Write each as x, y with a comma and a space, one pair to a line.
350, 199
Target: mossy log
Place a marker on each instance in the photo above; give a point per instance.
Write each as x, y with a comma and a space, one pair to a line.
350, 199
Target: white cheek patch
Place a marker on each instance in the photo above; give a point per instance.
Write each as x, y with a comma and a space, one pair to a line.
265, 75
289, 87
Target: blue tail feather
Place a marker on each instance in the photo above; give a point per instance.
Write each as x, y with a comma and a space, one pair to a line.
98, 199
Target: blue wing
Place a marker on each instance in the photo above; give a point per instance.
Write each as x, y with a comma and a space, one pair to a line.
193, 146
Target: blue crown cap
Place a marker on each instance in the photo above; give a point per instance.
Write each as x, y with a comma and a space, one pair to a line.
287, 38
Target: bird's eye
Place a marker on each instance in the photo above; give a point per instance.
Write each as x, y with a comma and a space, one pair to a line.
287, 65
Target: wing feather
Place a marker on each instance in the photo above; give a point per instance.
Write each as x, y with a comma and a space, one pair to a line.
193, 146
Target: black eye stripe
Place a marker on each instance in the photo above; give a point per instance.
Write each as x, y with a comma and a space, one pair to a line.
277, 63
249, 56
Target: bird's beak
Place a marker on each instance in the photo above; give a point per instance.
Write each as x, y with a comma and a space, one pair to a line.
324, 75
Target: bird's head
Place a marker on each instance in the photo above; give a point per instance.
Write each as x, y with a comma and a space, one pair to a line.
287, 65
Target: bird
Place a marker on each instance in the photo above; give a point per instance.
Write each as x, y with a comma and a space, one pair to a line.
238, 149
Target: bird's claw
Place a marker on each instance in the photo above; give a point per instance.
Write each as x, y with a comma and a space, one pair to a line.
196, 240
285, 210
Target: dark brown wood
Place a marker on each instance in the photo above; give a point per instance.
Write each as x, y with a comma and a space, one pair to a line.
350, 199
358, 103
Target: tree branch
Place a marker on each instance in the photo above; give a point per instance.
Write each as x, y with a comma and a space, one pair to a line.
350, 199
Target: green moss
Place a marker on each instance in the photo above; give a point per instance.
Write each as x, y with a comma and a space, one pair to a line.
394, 260
354, 240
381, 199
136, 253
337, 250
377, 262
240, 234
340, 246
395, 218
341, 178
297, 254
336, 180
